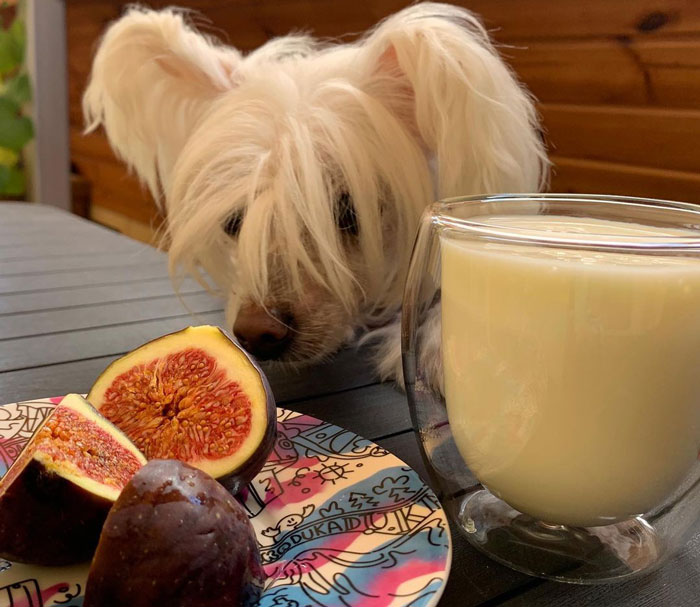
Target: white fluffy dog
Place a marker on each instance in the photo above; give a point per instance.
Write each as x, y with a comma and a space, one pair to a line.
295, 177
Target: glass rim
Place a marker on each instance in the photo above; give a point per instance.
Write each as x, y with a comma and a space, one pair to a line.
442, 214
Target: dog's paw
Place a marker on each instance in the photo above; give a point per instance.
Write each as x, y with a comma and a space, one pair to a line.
386, 355
430, 351
387, 352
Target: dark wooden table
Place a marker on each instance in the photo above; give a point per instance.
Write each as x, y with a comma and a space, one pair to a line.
74, 296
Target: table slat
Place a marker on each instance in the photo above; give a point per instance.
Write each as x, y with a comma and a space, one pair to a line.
71, 263
371, 411
68, 297
22, 210
66, 249
677, 583
41, 350
9, 230
20, 207
104, 315
52, 380
49, 281
348, 369
58, 235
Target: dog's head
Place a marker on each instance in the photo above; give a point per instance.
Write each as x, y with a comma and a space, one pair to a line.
295, 177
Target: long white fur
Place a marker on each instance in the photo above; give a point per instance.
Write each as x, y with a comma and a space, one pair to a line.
422, 107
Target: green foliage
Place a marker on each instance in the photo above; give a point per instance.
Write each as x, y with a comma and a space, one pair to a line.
12, 41
12, 181
16, 130
18, 89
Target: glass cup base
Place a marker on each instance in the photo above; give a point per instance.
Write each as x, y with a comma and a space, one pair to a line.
579, 555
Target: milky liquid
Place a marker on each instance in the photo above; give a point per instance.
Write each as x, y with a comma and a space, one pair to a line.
572, 378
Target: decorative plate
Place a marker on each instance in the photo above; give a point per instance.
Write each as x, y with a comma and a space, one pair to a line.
340, 522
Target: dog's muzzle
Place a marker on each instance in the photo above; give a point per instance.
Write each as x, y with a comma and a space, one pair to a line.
266, 334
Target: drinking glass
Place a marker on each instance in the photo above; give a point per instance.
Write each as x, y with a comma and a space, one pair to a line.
551, 354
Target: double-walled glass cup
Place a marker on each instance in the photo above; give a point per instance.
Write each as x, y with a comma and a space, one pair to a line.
551, 352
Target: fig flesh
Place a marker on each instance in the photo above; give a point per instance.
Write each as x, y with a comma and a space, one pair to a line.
175, 537
194, 396
56, 495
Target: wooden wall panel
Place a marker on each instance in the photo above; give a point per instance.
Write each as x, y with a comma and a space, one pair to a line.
660, 138
578, 175
113, 186
664, 73
581, 19
618, 82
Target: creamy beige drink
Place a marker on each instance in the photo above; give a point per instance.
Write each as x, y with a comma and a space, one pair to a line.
572, 378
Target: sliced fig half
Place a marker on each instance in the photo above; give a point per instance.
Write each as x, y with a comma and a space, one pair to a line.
55, 497
194, 396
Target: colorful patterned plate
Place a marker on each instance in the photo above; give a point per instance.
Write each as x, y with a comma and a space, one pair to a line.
340, 522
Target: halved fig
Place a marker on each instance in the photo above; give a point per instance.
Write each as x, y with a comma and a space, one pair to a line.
175, 537
55, 497
194, 396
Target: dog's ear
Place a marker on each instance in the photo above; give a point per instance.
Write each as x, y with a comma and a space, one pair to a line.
469, 109
151, 79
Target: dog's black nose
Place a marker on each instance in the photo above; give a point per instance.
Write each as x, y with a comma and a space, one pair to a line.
266, 334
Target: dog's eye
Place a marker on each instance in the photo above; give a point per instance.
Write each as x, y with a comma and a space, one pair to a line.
233, 222
345, 217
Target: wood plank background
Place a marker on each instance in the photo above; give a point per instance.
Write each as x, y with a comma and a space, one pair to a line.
618, 84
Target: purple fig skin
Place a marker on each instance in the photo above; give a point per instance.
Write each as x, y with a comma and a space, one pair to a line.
239, 478
47, 520
175, 537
